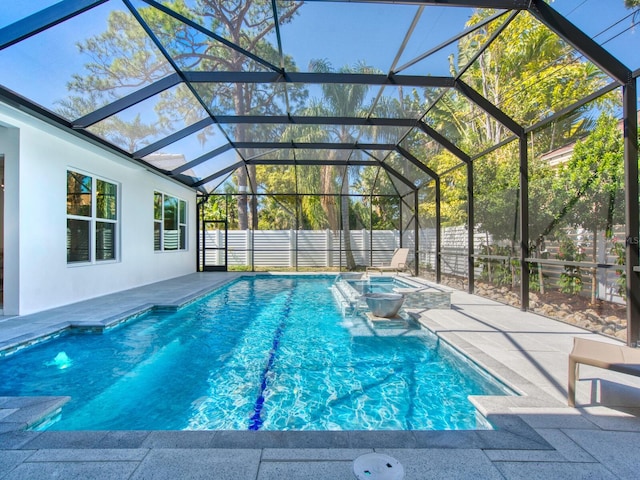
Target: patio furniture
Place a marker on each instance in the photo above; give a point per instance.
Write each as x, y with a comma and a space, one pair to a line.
618, 358
398, 262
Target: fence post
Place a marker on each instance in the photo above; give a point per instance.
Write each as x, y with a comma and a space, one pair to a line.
249, 245
329, 247
218, 248
292, 248
362, 254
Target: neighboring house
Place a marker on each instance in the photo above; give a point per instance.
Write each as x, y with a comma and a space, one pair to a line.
79, 222
563, 154
558, 156
166, 161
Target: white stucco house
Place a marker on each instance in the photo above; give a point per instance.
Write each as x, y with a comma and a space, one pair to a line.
79, 222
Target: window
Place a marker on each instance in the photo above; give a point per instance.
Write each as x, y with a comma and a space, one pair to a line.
169, 222
92, 218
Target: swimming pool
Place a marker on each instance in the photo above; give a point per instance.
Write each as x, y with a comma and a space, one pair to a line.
262, 353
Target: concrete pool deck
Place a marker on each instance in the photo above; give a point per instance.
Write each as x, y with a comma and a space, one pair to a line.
537, 435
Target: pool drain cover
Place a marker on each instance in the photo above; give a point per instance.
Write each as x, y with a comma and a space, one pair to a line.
377, 466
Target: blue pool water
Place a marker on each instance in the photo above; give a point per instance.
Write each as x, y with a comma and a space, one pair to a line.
268, 353
379, 284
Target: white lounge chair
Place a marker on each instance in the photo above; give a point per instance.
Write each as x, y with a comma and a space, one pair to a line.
398, 262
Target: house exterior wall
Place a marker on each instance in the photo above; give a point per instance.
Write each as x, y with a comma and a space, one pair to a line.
37, 157
9, 145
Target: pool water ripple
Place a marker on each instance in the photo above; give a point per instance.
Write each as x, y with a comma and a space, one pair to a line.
256, 421
270, 353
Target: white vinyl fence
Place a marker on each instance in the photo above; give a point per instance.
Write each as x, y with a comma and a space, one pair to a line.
325, 248
300, 248
293, 249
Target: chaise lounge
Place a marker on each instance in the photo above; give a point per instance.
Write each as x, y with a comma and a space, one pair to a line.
398, 262
618, 358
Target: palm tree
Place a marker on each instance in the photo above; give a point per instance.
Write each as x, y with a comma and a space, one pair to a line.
338, 101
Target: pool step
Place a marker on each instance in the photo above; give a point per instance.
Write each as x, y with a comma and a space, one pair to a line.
396, 321
349, 300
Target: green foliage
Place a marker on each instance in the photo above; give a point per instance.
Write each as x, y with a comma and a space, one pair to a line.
221, 207
123, 58
374, 185
215, 207
529, 73
618, 250
534, 279
454, 197
571, 278
503, 272
592, 181
496, 194
494, 271
277, 212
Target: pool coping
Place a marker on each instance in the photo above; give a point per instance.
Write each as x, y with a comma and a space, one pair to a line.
53, 330
22, 412
17, 414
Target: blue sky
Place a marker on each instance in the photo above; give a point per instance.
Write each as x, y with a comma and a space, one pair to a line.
343, 33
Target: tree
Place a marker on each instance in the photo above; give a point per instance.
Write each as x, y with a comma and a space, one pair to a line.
125, 58
528, 72
592, 183
340, 101
278, 208
380, 196
245, 23
633, 4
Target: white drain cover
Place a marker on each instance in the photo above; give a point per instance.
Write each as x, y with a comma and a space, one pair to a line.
377, 466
